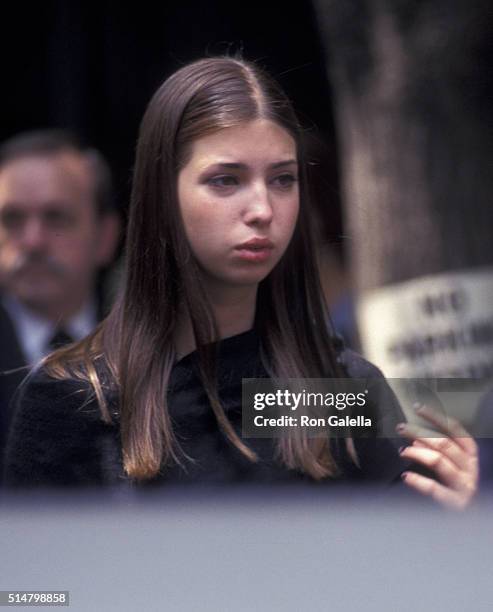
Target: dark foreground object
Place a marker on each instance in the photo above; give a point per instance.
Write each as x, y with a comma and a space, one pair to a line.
280, 548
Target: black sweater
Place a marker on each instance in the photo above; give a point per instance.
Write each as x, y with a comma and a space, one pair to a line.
59, 439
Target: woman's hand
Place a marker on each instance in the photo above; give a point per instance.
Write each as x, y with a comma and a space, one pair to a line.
453, 457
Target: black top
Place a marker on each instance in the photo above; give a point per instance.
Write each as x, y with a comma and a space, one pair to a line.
13, 369
58, 437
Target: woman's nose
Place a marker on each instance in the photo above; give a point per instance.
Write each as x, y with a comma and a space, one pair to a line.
259, 208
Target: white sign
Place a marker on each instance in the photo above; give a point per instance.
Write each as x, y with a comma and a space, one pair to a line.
439, 326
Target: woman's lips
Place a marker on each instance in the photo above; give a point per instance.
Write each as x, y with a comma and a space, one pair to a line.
257, 249
254, 254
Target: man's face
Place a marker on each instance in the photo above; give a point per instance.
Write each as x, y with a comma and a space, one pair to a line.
48, 230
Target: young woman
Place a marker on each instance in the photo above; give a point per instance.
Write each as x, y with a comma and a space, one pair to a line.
221, 284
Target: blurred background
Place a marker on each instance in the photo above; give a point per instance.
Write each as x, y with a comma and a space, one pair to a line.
93, 68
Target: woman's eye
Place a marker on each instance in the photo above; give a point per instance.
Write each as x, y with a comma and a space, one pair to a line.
223, 181
285, 181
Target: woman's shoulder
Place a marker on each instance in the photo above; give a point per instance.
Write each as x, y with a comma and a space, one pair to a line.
43, 392
377, 452
76, 379
53, 407
381, 402
57, 432
355, 365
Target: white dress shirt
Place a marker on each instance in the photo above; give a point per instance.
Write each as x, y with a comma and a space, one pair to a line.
34, 332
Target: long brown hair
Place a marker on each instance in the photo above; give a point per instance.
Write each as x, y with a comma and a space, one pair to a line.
135, 342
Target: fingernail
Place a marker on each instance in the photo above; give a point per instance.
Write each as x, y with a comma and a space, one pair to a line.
401, 448
404, 475
400, 427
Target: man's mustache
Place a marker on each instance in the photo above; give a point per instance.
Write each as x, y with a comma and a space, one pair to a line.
24, 261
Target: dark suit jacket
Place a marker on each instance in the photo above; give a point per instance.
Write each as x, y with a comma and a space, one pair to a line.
12, 358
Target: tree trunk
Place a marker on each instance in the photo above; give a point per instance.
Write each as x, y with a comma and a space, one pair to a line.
413, 94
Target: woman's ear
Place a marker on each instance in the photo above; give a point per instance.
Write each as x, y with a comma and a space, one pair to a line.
109, 228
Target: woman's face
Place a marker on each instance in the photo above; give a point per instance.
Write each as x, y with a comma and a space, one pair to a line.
240, 186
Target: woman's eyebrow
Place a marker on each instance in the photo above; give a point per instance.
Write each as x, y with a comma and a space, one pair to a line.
242, 166
287, 162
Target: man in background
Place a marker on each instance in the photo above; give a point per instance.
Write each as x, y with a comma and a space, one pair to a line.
58, 229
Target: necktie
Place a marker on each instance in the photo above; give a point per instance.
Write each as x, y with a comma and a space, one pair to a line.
59, 338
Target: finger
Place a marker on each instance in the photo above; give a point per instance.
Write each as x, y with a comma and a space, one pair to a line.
442, 421
440, 493
469, 465
450, 426
447, 471
412, 431
449, 448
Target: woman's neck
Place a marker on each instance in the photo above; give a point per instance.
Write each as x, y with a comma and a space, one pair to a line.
234, 313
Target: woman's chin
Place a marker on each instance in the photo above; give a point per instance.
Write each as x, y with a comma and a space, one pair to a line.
234, 282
